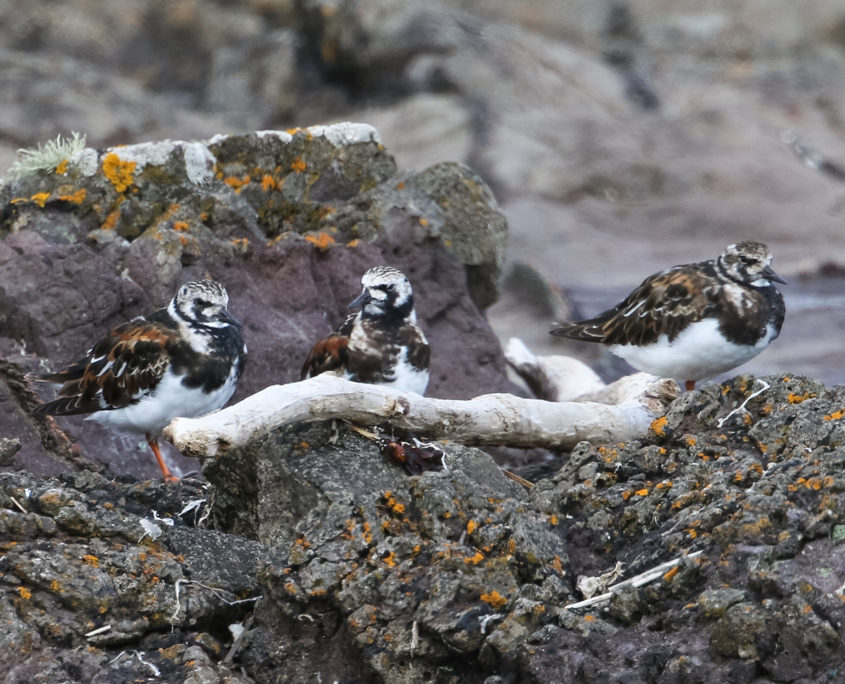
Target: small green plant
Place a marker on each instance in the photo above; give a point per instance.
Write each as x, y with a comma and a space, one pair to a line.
46, 157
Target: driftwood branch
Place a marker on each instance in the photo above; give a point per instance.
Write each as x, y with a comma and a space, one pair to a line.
554, 378
500, 419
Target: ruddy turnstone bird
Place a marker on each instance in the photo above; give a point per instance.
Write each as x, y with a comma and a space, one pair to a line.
695, 320
382, 343
184, 360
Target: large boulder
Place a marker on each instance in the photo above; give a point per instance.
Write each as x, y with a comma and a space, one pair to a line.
288, 221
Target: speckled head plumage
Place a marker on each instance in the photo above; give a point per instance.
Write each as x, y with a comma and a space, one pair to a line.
386, 293
748, 262
203, 303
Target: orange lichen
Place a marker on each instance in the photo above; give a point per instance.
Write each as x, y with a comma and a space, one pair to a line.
836, 415
237, 183
54, 586
475, 559
298, 165
798, 398
553, 519
180, 226
390, 559
471, 526
77, 197
118, 172
93, 561
658, 426
589, 617
321, 240
24, 593
494, 599
423, 221
395, 506
670, 574
40, 198
400, 185
61, 167
626, 495
353, 243
268, 182
642, 492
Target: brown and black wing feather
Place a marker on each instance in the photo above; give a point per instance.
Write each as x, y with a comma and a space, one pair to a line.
330, 354
117, 371
664, 304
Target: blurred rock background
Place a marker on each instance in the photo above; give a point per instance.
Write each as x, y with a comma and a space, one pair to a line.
619, 137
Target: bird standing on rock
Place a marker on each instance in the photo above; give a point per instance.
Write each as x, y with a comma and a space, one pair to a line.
382, 343
184, 360
695, 320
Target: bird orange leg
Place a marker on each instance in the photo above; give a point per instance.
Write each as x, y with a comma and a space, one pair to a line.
689, 385
165, 471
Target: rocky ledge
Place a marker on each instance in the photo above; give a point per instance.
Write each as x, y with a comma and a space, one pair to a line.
709, 549
308, 554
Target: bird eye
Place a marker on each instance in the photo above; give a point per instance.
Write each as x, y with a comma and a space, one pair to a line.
204, 303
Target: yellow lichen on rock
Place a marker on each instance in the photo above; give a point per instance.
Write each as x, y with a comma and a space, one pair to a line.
119, 173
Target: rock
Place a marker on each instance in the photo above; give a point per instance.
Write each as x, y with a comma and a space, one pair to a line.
459, 573
397, 560
95, 587
283, 219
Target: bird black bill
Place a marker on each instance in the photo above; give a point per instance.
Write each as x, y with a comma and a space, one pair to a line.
361, 299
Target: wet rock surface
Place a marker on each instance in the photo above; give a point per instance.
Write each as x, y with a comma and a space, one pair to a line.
367, 574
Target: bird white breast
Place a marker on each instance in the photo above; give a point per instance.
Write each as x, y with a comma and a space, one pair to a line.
170, 399
699, 351
407, 378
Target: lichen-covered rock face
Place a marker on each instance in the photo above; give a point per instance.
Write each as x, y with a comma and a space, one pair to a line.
456, 575
409, 571
288, 221
461, 574
111, 581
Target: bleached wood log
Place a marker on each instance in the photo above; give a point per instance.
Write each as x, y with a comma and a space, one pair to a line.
554, 378
500, 419
562, 378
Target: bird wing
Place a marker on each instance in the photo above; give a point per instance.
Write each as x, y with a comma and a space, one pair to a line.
116, 372
331, 353
663, 304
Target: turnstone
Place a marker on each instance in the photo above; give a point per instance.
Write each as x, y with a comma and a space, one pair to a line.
695, 320
183, 360
382, 343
